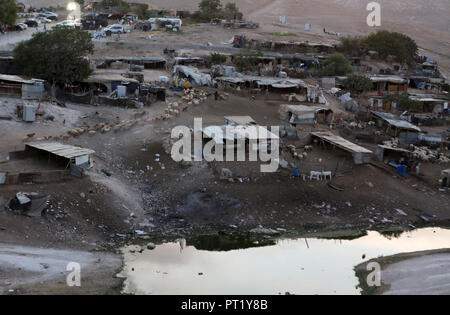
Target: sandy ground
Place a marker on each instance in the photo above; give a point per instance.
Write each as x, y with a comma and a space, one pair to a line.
428, 275
426, 22
46, 269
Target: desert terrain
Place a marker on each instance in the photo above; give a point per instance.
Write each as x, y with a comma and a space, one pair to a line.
426, 22
136, 193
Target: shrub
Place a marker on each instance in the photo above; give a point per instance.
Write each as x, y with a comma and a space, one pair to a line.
357, 83
217, 58
336, 64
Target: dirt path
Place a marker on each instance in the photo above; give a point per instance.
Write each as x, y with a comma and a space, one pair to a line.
26, 269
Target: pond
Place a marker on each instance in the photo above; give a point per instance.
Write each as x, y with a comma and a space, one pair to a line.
297, 266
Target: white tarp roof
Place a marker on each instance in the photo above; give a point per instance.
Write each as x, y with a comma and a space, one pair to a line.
301, 109
191, 72
391, 79
62, 150
238, 132
340, 142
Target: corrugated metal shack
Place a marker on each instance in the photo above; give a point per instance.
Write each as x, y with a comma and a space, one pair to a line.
15, 86
360, 155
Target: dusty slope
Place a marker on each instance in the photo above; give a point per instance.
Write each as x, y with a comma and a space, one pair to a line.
426, 21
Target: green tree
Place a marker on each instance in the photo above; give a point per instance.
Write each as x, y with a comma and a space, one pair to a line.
57, 55
357, 83
210, 9
402, 47
404, 102
244, 63
231, 12
8, 12
351, 46
336, 64
142, 11
217, 59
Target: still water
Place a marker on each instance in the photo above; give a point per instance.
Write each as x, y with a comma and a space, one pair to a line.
298, 266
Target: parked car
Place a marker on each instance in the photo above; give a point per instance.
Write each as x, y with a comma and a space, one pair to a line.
69, 23
114, 29
18, 27
49, 15
43, 20
31, 23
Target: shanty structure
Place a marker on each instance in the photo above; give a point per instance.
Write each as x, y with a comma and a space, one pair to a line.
71, 154
190, 76
431, 103
445, 178
45, 162
360, 155
239, 120
185, 61
228, 135
305, 114
286, 84
144, 62
389, 152
13, 85
393, 124
108, 81
389, 83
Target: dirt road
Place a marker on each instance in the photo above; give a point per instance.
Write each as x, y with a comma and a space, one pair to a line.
31, 269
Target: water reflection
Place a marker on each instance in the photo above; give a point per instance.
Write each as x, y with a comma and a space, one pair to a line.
299, 266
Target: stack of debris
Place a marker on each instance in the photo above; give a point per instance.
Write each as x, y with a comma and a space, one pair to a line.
30, 204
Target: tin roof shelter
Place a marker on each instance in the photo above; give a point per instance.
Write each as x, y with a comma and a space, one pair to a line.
360, 155
305, 114
76, 155
395, 122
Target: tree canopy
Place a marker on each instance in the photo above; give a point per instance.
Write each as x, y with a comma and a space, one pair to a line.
401, 46
351, 46
336, 64
57, 56
404, 102
386, 43
210, 8
357, 83
8, 12
231, 12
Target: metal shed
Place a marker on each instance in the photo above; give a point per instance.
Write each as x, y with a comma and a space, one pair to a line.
360, 155
76, 155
